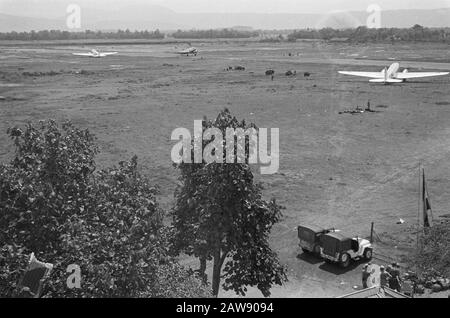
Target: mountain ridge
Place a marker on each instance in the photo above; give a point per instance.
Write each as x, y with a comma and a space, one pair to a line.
140, 17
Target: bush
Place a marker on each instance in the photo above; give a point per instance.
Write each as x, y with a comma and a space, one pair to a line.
433, 256
54, 203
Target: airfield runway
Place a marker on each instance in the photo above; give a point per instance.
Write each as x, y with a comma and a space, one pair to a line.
336, 170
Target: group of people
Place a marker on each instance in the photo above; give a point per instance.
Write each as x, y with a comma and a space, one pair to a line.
368, 108
359, 110
389, 277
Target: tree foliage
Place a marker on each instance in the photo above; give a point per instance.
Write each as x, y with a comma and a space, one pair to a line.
220, 215
54, 203
214, 34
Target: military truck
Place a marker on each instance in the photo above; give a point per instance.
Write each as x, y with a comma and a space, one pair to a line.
309, 236
341, 249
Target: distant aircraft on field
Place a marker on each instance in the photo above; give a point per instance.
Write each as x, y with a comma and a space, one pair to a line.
95, 53
191, 50
392, 75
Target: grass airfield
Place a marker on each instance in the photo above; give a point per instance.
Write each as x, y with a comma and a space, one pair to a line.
336, 170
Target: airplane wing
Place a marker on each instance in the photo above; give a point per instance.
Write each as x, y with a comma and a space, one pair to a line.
109, 53
83, 54
388, 80
188, 51
364, 74
419, 74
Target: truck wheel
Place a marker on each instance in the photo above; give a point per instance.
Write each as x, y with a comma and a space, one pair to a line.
368, 254
345, 260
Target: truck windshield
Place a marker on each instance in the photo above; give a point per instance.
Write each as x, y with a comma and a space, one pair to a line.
306, 234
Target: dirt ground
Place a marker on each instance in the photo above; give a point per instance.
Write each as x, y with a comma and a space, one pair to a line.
336, 170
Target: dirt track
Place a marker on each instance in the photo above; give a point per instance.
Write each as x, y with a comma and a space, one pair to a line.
336, 170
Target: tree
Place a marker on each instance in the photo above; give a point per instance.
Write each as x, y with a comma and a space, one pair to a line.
418, 32
220, 216
45, 183
54, 203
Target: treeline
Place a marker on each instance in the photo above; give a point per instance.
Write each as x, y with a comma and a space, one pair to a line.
214, 34
47, 35
363, 34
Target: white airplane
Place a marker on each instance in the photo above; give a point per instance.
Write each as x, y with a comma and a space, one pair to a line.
191, 50
392, 75
95, 53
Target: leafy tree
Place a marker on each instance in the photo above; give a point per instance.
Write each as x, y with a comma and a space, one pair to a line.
54, 203
45, 183
117, 235
220, 216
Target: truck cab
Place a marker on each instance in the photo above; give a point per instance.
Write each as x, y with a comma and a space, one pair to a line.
342, 249
309, 236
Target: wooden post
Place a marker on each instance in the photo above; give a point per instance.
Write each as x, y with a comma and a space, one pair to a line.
371, 233
420, 201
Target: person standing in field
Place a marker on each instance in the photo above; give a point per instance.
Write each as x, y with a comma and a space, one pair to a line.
384, 277
389, 270
395, 281
365, 276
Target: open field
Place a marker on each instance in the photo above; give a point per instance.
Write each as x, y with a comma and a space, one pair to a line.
336, 170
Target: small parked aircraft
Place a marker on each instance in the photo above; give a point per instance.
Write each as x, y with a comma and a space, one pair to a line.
392, 75
191, 50
95, 53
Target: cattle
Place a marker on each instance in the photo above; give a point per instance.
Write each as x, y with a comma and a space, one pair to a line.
291, 73
270, 72
307, 74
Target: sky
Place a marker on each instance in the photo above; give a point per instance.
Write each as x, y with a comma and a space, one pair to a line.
294, 6
254, 6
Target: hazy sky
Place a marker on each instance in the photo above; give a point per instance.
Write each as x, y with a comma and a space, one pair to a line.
266, 6
294, 6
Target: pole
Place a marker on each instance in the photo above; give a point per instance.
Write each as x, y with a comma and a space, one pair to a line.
420, 199
429, 215
371, 233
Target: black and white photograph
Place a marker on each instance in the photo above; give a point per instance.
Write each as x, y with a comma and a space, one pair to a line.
224, 154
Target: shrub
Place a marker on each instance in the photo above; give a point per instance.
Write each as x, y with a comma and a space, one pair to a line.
433, 255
